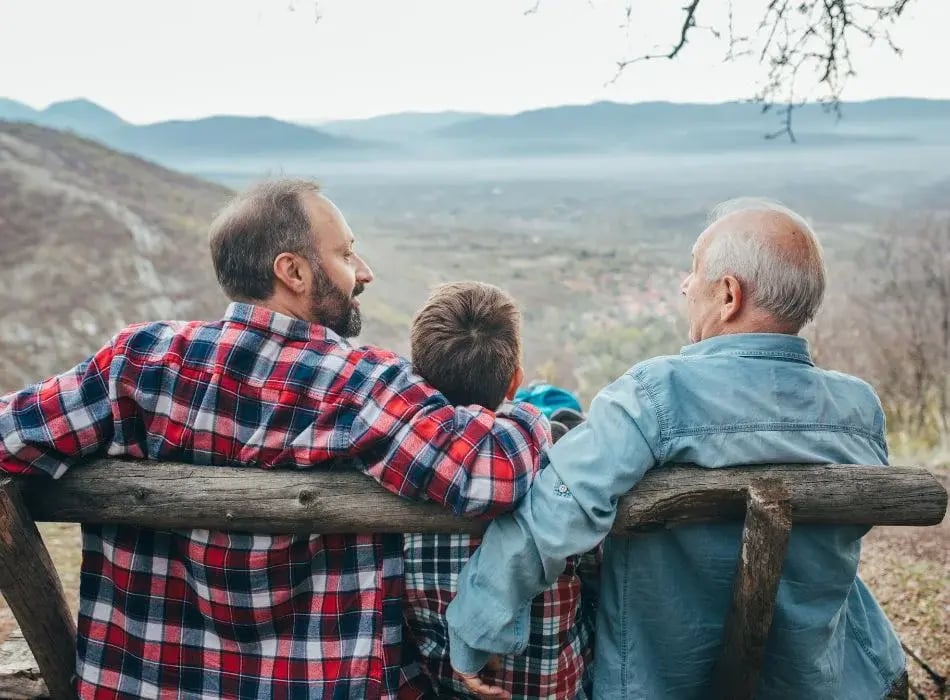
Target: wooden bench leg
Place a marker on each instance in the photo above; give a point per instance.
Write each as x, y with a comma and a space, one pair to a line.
768, 522
34, 593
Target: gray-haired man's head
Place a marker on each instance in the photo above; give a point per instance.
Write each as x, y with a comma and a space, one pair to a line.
756, 268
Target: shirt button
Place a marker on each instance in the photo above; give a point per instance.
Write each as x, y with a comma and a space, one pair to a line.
562, 489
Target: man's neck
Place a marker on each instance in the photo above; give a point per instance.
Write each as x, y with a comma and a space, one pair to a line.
756, 321
280, 306
738, 330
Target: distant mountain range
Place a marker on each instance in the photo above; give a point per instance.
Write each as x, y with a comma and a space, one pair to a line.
599, 128
617, 119
660, 126
219, 136
397, 127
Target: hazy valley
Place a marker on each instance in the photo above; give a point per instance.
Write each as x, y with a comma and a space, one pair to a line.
593, 242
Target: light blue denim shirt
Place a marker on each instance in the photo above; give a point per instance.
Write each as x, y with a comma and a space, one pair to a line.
729, 400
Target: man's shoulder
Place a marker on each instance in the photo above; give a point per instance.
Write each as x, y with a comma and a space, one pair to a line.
703, 393
659, 368
859, 391
146, 335
666, 366
849, 380
702, 374
378, 355
164, 333
378, 366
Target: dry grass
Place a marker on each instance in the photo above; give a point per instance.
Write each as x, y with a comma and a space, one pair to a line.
65, 546
908, 569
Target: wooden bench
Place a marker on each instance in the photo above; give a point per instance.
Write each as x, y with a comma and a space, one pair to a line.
176, 496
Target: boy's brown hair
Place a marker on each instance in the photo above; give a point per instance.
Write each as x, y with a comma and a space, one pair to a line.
466, 342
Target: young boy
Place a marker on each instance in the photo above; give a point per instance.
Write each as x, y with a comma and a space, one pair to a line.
466, 343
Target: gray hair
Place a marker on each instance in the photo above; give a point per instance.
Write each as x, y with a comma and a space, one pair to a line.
789, 287
253, 229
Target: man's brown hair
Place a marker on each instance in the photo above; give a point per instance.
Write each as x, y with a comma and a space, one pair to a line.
254, 228
466, 342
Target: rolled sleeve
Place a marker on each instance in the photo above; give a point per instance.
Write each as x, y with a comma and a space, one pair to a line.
47, 427
407, 436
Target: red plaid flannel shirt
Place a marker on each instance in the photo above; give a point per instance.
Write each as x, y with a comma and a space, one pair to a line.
223, 614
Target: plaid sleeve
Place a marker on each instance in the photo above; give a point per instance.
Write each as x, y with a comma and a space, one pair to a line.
466, 459
48, 426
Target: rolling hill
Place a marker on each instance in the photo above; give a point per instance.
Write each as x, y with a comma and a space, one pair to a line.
218, 136
399, 127
169, 141
79, 115
658, 126
83, 116
609, 127
12, 110
93, 240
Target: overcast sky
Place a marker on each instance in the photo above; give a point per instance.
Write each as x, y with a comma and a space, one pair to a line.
150, 60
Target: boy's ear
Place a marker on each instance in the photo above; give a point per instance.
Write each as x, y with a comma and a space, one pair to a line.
516, 381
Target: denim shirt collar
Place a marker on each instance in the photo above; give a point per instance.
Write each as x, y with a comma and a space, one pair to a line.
772, 345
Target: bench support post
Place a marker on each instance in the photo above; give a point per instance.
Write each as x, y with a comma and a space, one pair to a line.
768, 522
35, 595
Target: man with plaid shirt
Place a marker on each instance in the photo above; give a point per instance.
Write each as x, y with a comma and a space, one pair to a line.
198, 613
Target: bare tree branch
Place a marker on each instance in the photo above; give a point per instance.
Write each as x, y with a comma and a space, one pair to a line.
537, 3
689, 22
794, 40
736, 42
317, 15
785, 112
534, 8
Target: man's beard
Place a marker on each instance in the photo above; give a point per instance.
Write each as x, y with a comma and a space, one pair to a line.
332, 307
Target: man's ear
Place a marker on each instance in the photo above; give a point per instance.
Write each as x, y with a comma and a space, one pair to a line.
731, 299
516, 381
292, 271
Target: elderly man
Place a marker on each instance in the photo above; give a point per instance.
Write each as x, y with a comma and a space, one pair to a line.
273, 384
745, 392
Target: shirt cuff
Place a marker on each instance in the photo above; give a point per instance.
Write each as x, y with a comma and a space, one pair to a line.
464, 658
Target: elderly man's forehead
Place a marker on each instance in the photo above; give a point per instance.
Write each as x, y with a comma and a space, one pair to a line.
773, 228
702, 240
757, 222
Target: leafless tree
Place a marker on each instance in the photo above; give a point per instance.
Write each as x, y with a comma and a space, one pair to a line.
888, 320
805, 46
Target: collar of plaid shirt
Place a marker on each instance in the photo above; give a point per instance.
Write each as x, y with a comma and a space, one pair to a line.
224, 614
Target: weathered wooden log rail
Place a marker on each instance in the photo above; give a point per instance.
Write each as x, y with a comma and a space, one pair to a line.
172, 496
177, 496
